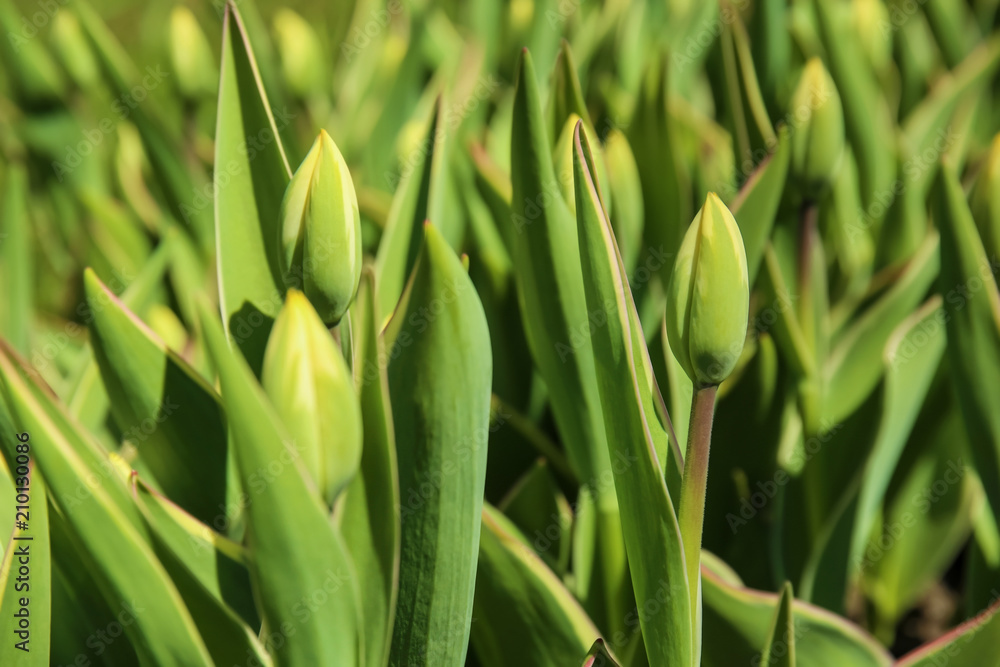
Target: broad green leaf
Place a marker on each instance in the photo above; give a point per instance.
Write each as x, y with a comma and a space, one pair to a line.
972, 308
370, 516
911, 358
250, 178
26, 576
738, 624
191, 554
303, 579
853, 367
166, 634
755, 207
440, 387
972, 644
649, 522
523, 613
30, 68
926, 516
780, 647
162, 406
558, 327
18, 258
550, 286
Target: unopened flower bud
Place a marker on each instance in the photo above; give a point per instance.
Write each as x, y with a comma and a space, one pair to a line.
321, 231
312, 390
709, 296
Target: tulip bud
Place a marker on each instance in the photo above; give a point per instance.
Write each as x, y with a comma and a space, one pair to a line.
709, 296
303, 61
197, 75
818, 129
321, 231
312, 390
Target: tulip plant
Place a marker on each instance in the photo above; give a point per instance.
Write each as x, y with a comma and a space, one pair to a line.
525, 333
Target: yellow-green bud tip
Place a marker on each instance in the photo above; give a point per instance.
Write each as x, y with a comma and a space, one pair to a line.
709, 296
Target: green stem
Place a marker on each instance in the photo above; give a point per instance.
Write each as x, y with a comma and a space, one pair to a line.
693, 484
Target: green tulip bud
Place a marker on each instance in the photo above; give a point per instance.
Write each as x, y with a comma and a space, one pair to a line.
709, 296
818, 129
321, 231
197, 75
312, 390
303, 61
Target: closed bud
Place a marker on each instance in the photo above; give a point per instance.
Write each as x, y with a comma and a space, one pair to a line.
197, 75
312, 390
303, 61
818, 129
709, 296
320, 245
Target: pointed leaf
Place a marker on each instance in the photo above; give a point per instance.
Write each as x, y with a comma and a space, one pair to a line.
440, 387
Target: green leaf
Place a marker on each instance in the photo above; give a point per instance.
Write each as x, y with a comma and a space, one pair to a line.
972, 644
755, 207
202, 566
370, 516
303, 579
164, 633
972, 306
26, 597
161, 405
16, 252
598, 656
250, 181
538, 508
626, 382
910, 360
738, 622
418, 199
440, 387
780, 647
557, 322
853, 367
523, 613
